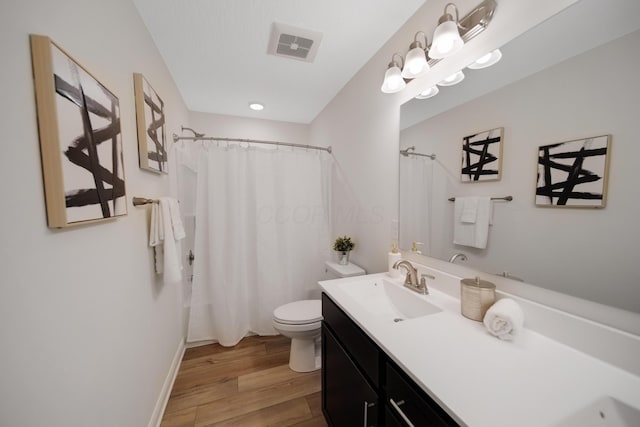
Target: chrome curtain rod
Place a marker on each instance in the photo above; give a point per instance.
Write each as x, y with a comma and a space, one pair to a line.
177, 138
409, 151
505, 198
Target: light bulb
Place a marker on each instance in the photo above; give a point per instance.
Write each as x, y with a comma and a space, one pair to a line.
393, 81
432, 91
453, 79
446, 40
416, 64
486, 60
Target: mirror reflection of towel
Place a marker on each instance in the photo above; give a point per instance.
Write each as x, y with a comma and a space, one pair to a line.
474, 234
469, 210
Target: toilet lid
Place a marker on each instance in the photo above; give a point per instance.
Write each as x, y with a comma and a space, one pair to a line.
299, 312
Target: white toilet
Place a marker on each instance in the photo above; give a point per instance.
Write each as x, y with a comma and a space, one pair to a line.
301, 321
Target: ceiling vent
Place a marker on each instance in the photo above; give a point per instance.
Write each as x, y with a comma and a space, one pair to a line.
294, 43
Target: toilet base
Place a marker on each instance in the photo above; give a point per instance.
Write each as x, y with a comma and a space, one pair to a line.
302, 357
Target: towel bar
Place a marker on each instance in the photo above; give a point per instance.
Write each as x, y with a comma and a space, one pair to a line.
506, 198
140, 201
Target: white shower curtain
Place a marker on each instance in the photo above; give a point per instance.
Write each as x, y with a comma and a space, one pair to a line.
416, 185
262, 234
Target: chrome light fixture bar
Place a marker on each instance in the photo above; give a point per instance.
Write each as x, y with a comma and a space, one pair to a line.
421, 56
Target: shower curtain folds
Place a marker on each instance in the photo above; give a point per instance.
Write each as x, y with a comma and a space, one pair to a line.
262, 234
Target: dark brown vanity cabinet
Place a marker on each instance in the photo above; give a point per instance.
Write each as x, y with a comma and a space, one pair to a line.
361, 386
350, 369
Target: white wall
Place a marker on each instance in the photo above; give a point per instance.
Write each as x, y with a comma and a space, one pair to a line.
362, 124
88, 332
574, 251
249, 128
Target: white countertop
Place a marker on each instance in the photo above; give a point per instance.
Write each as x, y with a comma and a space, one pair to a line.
481, 380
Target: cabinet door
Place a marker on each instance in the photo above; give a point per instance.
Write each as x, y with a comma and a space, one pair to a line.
411, 406
347, 398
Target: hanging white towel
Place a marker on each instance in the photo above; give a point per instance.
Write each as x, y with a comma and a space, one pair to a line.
156, 236
504, 319
469, 210
475, 234
164, 235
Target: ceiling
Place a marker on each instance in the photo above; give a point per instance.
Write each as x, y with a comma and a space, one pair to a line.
216, 50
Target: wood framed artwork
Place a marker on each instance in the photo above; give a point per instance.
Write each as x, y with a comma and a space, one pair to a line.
482, 156
80, 139
574, 174
152, 148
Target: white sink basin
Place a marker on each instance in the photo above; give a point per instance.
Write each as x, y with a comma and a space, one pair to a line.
604, 412
390, 301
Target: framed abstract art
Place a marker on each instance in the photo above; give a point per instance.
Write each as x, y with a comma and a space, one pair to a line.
482, 156
80, 139
574, 173
152, 143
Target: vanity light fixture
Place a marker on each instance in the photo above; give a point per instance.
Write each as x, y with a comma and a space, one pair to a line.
415, 64
446, 37
425, 94
256, 106
393, 81
486, 60
453, 79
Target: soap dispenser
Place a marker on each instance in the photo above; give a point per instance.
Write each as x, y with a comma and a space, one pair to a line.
392, 258
414, 248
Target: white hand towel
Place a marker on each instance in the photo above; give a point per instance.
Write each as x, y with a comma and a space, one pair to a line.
155, 227
469, 210
172, 261
504, 319
476, 234
156, 235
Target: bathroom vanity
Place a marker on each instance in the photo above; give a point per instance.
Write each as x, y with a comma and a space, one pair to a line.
361, 385
392, 357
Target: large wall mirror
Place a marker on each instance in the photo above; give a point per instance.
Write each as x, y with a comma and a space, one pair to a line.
572, 77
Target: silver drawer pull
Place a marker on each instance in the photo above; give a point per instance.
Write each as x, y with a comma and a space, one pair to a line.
396, 406
367, 405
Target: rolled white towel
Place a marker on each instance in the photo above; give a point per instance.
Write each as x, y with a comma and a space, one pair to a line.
504, 319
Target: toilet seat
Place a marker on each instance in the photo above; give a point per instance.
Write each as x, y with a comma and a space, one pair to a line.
299, 312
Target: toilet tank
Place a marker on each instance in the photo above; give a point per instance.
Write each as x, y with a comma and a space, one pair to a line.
333, 270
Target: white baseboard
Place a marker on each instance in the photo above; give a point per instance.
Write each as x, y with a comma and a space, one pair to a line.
161, 403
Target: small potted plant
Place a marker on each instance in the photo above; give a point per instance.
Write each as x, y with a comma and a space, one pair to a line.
343, 245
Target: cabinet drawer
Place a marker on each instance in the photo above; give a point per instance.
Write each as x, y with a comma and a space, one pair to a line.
404, 396
356, 343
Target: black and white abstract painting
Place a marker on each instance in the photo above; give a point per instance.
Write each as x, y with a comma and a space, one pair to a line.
573, 173
89, 135
151, 126
482, 156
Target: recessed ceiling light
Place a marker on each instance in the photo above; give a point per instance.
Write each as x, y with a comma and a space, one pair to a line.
256, 106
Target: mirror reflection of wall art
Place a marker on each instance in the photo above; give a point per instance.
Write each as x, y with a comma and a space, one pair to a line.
482, 156
80, 139
152, 146
573, 173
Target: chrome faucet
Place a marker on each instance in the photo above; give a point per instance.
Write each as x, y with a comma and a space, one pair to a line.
460, 255
411, 280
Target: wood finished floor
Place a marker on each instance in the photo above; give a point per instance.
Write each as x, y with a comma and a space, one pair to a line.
246, 385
